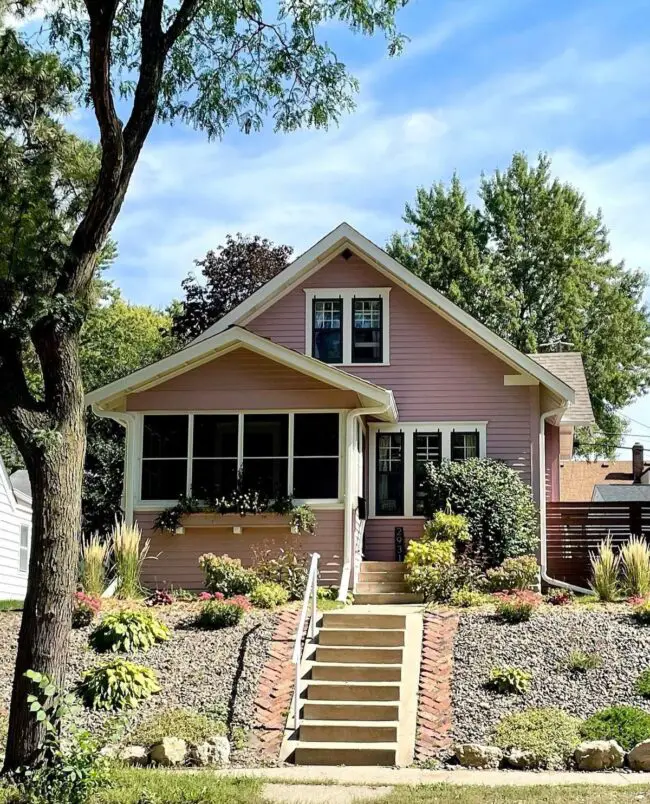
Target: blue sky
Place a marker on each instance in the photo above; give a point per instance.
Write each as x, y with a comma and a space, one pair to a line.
478, 80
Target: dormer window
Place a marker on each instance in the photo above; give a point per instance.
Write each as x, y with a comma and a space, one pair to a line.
366, 331
327, 334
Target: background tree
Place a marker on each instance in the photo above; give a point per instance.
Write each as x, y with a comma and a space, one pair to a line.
209, 63
533, 264
230, 275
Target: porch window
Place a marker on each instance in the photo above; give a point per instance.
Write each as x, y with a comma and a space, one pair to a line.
327, 335
316, 456
390, 474
464, 446
214, 461
427, 448
367, 335
266, 453
164, 457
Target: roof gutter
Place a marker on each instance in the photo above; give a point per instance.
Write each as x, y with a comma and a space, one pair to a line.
542, 504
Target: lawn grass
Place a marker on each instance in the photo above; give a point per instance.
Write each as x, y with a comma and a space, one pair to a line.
11, 605
139, 786
564, 794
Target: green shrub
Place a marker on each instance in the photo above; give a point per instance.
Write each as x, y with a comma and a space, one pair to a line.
468, 598
516, 607
498, 505
226, 575
604, 572
635, 559
514, 573
216, 614
507, 680
625, 724
578, 661
641, 613
287, 566
182, 723
327, 592
268, 595
550, 734
436, 584
447, 527
117, 685
428, 554
642, 684
128, 631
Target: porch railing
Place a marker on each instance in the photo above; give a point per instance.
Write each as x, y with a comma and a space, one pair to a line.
310, 595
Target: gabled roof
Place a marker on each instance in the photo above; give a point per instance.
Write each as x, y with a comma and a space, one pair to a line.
110, 396
568, 366
618, 492
345, 236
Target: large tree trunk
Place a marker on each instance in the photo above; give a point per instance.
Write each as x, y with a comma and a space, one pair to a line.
55, 464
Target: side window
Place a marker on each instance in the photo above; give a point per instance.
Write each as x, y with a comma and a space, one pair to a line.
327, 334
464, 445
214, 455
426, 449
316, 456
23, 550
164, 457
266, 453
389, 498
367, 337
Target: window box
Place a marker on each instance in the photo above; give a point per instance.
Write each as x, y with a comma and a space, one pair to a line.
212, 520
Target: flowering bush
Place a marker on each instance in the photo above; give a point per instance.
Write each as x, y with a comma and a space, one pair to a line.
211, 596
159, 598
217, 614
84, 609
516, 607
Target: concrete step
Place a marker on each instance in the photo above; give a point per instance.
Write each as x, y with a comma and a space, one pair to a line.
356, 672
386, 598
367, 637
382, 566
357, 754
350, 710
352, 655
348, 731
353, 691
371, 587
391, 576
362, 619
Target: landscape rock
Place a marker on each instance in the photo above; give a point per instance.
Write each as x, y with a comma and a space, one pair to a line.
473, 755
599, 755
639, 757
214, 751
168, 752
133, 755
523, 760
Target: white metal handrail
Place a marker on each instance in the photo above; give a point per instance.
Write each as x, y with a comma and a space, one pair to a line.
310, 592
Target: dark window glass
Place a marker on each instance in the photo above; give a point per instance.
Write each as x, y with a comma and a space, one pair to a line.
463, 446
327, 330
163, 479
165, 437
267, 475
316, 434
426, 449
389, 498
266, 435
215, 436
367, 322
214, 478
316, 478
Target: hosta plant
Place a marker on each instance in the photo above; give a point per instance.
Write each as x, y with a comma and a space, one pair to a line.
507, 680
117, 685
128, 631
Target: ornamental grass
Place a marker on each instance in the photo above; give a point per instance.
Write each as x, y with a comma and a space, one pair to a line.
94, 554
130, 553
604, 572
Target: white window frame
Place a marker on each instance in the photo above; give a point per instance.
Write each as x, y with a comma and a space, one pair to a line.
409, 428
24, 549
347, 295
155, 505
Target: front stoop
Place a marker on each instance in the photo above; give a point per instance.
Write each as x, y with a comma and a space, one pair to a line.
382, 583
358, 696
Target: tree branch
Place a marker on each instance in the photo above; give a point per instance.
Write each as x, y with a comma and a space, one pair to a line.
183, 18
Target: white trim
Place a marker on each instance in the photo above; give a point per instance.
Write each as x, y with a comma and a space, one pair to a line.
409, 428
347, 295
345, 236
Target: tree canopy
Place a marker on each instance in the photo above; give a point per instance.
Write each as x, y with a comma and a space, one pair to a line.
535, 265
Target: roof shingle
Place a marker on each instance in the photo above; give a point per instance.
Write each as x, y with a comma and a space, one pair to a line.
568, 367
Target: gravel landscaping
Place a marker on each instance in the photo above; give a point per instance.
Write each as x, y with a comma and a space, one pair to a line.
541, 646
197, 669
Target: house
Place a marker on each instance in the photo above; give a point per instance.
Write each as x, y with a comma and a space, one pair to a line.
15, 533
606, 481
338, 381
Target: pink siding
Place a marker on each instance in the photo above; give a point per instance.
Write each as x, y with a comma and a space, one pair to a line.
552, 458
178, 555
241, 380
380, 536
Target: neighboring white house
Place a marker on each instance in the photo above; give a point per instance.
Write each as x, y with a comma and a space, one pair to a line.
15, 533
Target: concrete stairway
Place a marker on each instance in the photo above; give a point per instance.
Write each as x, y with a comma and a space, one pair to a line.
382, 582
351, 693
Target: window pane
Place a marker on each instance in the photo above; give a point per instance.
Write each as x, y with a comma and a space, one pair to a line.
367, 331
390, 474
215, 436
213, 478
327, 340
463, 446
316, 478
163, 480
426, 449
165, 437
266, 435
316, 434
268, 475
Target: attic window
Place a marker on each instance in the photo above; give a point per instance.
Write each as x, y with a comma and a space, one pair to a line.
346, 254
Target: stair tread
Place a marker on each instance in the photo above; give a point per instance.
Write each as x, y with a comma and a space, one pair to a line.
329, 683
361, 664
347, 746
340, 723
363, 630
316, 701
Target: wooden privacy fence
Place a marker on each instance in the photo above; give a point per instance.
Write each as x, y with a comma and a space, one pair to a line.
574, 529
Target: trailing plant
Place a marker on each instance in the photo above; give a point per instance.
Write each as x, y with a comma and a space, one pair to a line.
516, 607
216, 614
604, 572
498, 505
268, 595
286, 565
642, 684
129, 553
635, 561
579, 661
182, 723
84, 609
94, 555
128, 631
559, 597
551, 735
507, 680
641, 613
227, 575
117, 685
444, 526
159, 598
625, 724
514, 573
302, 519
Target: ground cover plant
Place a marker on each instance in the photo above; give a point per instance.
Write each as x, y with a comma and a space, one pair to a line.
117, 685
268, 595
508, 680
550, 734
192, 727
579, 661
84, 609
516, 607
627, 725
